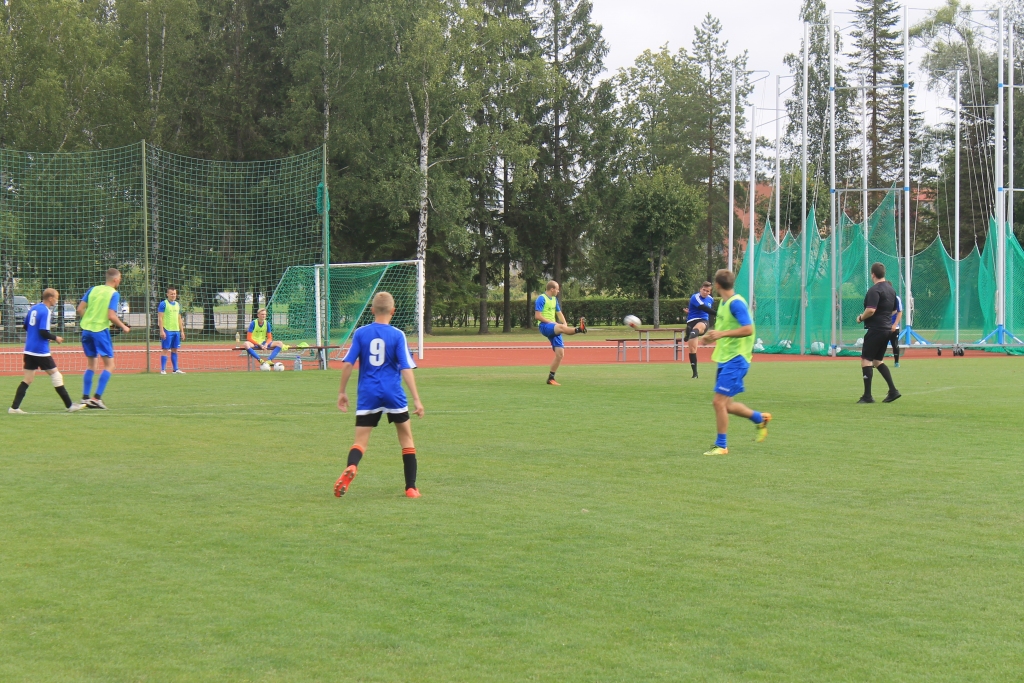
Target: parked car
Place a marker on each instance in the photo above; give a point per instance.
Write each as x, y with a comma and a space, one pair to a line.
21, 306
70, 315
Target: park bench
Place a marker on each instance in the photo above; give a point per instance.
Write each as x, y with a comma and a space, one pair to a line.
296, 354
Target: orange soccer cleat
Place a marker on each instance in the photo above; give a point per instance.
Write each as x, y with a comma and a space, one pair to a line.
344, 481
553, 383
412, 493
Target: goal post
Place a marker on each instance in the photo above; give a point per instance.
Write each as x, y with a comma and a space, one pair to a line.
307, 307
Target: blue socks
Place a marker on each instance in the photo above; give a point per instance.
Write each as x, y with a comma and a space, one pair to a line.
174, 361
102, 384
163, 363
252, 352
273, 354
87, 384
720, 441
756, 418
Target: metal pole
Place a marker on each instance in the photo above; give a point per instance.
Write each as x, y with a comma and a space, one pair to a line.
956, 219
832, 167
1009, 124
327, 262
908, 249
732, 163
420, 303
778, 160
145, 248
864, 176
753, 208
803, 210
1000, 190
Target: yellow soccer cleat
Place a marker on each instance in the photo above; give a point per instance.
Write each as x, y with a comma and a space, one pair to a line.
717, 450
762, 429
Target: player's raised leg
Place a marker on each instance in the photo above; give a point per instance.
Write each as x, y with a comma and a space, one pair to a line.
698, 314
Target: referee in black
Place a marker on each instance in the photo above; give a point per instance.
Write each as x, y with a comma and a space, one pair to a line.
879, 304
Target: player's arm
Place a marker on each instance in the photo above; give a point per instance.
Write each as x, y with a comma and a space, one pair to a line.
561, 318
742, 315
346, 373
82, 306
899, 317
160, 324
870, 306
410, 381
868, 312
112, 317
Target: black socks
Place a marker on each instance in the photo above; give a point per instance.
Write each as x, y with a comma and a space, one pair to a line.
409, 463
63, 393
693, 363
551, 375
884, 372
19, 395
867, 373
355, 455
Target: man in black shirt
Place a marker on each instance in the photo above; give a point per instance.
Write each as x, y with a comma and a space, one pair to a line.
877, 318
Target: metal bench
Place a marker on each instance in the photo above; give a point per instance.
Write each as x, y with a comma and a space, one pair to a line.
296, 354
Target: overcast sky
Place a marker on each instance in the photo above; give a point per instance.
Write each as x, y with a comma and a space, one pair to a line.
767, 29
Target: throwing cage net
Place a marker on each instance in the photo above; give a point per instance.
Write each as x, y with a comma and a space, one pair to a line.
223, 233
936, 317
307, 309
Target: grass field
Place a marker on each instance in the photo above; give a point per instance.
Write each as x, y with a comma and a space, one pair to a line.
564, 534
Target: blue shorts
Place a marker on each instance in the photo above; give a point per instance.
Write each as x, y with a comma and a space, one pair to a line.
548, 330
172, 341
97, 344
730, 376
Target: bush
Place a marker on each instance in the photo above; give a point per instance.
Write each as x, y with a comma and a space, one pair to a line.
597, 311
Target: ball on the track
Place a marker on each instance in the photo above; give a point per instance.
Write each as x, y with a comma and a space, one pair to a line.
278, 367
631, 321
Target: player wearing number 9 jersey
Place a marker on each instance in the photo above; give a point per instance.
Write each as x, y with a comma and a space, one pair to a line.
384, 361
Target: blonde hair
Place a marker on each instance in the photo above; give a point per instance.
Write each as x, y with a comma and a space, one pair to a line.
383, 303
50, 292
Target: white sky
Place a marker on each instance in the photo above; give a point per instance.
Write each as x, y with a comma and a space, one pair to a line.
767, 29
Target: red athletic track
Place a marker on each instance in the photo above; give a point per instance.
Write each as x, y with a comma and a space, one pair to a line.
438, 354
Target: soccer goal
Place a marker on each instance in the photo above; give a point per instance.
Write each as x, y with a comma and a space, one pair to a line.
323, 307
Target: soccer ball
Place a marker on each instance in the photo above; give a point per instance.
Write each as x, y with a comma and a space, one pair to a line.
278, 367
859, 342
817, 347
264, 366
632, 321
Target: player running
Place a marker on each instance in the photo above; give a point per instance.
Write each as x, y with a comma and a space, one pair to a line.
37, 353
700, 309
98, 311
734, 337
172, 332
261, 336
552, 325
894, 337
879, 304
384, 361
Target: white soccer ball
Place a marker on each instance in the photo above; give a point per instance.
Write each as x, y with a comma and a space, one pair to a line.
278, 367
859, 342
786, 344
264, 367
817, 347
632, 321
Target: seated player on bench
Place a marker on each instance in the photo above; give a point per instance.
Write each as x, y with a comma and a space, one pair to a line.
261, 336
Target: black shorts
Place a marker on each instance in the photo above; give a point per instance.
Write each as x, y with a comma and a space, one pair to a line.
690, 324
875, 344
44, 363
373, 419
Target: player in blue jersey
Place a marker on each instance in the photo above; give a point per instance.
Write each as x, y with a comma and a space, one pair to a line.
548, 312
697, 318
384, 361
894, 336
172, 330
37, 353
97, 311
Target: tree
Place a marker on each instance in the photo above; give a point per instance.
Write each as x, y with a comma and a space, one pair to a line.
662, 210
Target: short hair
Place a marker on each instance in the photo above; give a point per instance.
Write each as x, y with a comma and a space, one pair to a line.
171, 288
551, 285
260, 310
705, 285
383, 302
878, 270
725, 278
112, 273
50, 293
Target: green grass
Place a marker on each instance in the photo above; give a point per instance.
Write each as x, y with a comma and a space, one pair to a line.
564, 534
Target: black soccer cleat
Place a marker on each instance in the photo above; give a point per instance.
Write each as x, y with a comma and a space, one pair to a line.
582, 327
866, 399
891, 396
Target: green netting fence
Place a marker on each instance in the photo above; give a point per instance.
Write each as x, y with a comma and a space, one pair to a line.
933, 276
223, 233
298, 317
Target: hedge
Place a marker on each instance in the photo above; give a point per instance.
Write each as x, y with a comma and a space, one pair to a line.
597, 311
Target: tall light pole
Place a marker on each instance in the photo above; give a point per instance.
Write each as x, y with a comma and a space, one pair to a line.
832, 169
803, 210
732, 163
753, 208
956, 219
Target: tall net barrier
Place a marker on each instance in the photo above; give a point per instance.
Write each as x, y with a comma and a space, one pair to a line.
307, 309
222, 233
936, 317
